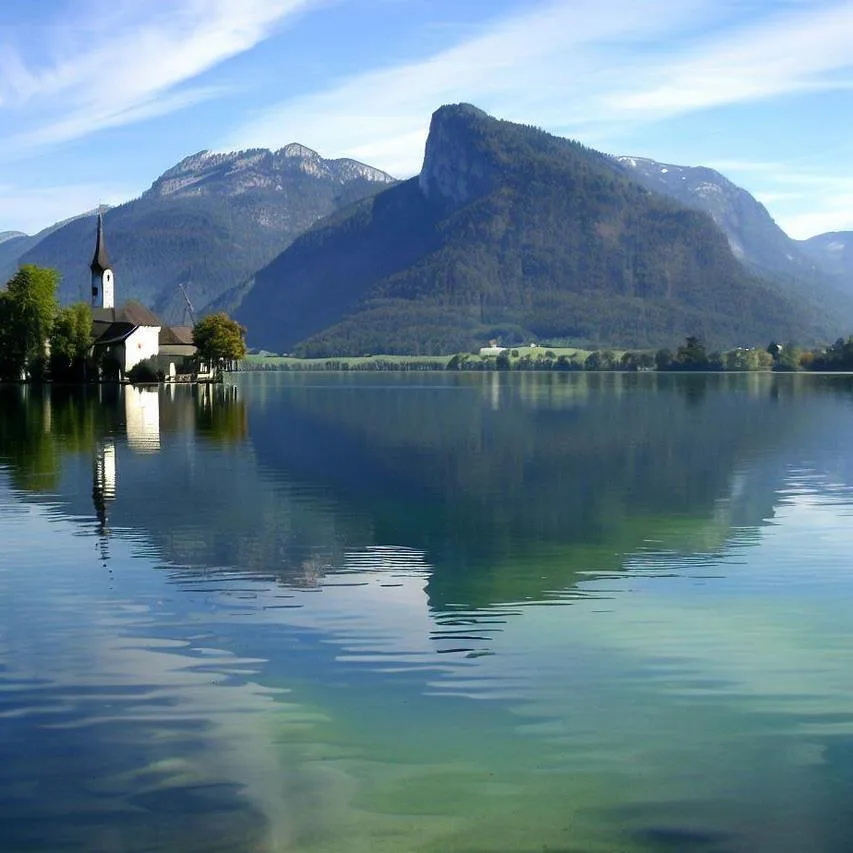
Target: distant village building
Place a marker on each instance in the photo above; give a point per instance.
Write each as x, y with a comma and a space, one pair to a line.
126, 336
492, 349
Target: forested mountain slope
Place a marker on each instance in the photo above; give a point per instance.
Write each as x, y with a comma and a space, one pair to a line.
808, 268
511, 233
207, 223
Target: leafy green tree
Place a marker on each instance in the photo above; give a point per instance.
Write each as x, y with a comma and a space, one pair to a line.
748, 359
600, 360
663, 359
71, 341
788, 358
839, 356
691, 355
9, 360
737, 359
220, 339
630, 361
26, 316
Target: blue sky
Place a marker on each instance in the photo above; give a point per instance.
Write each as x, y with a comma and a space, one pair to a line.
98, 97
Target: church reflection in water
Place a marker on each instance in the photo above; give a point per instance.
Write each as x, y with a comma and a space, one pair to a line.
134, 420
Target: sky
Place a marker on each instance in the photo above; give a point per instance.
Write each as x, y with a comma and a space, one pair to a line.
99, 97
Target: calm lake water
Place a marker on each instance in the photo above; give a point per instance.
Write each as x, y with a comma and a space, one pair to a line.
435, 612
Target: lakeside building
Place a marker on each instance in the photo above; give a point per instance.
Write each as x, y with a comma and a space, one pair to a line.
127, 336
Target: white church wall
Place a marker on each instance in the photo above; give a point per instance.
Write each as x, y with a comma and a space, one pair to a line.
143, 342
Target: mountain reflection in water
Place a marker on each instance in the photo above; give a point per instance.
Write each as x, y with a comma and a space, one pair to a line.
462, 612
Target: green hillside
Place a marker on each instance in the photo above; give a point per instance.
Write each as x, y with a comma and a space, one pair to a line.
207, 223
514, 234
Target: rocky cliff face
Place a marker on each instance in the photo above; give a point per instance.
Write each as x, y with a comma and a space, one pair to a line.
453, 171
238, 172
752, 234
814, 268
208, 223
513, 233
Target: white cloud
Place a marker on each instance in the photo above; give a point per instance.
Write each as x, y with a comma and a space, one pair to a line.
581, 68
586, 69
834, 213
123, 65
543, 66
803, 201
795, 52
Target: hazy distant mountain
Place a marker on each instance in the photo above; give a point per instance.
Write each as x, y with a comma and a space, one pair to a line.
511, 233
753, 235
752, 232
208, 223
833, 252
15, 244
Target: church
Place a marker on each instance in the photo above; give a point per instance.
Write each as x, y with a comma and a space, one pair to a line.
124, 337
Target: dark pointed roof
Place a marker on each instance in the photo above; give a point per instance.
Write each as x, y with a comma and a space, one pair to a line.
101, 260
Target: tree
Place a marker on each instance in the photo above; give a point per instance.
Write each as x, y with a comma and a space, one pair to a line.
599, 360
691, 355
71, 341
26, 316
630, 361
789, 358
663, 359
219, 339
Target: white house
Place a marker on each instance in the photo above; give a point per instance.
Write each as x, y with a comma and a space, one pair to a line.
492, 349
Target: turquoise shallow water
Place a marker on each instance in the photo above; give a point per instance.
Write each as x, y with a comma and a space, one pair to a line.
428, 613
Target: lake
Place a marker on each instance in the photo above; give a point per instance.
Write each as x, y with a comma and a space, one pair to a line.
428, 612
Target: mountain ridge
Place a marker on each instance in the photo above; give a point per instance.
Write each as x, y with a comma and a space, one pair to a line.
207, 223
510, 232
833, 250
753, 234
197, 170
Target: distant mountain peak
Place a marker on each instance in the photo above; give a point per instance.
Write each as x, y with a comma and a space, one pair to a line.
234, 172
10, 235
833, 251
297, 149
732, 208
463, 109
453, 170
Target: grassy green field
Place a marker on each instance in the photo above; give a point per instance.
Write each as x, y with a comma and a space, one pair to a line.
410, 362
364, 362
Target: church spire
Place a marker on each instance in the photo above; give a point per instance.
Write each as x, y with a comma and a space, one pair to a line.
102, 274
101, 260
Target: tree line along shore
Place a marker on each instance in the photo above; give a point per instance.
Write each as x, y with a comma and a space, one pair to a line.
43, 341
692, 355
40, 340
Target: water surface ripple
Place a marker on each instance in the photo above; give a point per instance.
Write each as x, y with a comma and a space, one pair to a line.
428, 613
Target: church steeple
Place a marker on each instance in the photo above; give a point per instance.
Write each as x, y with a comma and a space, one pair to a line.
103, 283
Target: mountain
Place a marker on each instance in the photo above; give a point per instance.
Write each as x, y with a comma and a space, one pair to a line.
511, 233
753, 235
833, 252
207, 223
15, 244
